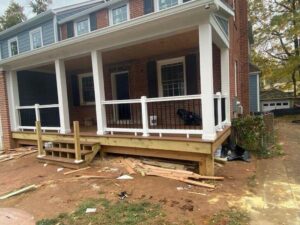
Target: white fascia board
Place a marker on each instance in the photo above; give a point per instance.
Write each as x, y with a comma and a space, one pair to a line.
121, 28
220, 32
225, 7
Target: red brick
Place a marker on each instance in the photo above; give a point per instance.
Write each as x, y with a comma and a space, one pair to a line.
102, 18
4, 113
136, 8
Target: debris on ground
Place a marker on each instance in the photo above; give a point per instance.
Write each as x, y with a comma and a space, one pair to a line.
90, 210
20, 191
175, 174
125, 177
59, 169
107, 169
75, 171
122, 195
16, 153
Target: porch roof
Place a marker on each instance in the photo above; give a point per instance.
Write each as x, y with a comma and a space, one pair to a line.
174, 20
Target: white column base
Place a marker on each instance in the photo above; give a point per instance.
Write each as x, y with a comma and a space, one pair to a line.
65, 131
209, 137
101, 132
41, 156
78, 161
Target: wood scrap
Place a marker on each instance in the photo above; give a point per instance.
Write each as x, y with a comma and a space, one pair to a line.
164, 164
95, 177
20, 191
75, 171
128, 166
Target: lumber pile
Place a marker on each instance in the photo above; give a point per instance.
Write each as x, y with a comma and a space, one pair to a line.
16, 153
175, 174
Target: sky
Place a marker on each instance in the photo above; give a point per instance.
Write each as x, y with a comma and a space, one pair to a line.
25, 3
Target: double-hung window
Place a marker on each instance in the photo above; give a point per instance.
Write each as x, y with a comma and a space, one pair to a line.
86, 87
164, 4
119, 14
36, 39
172, 77
82, 26
13, 46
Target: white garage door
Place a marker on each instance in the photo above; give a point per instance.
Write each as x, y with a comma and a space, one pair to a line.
271, 105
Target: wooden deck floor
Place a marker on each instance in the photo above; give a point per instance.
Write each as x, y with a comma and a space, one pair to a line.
173, 147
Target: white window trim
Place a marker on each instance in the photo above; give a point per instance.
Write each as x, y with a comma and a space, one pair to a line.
1, 52
39, 29
9, 46
156, 5
118, 6
80, 77
160, 63
79, 20
236, 71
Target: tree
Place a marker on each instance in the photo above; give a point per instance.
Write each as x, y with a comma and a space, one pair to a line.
276, 28
40, 6
13, 15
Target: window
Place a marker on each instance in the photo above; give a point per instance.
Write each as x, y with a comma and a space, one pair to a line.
272, 104
13, 46
266, 104
36, 40
86, 86
82, 26
172, 77
285, 103
119, 14
278, 104
164, 4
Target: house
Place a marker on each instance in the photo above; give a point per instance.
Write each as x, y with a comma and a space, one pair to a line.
254, 88
129, 72
273, 99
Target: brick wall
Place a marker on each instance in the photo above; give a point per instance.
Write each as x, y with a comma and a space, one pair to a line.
4, 113
136, 8
138, 87
102, 18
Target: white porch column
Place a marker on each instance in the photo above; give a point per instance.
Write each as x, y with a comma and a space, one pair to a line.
225, 82
98, 76
207, 85
13, 99
62, 96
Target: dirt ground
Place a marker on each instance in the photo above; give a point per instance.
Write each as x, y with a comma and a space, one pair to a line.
266, 202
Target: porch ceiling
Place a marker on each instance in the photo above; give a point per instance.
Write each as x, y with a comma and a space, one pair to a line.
149, 27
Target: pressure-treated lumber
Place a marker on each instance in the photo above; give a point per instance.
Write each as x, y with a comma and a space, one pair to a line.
75, 171
20, 191
39, 139
129, 167
77, 142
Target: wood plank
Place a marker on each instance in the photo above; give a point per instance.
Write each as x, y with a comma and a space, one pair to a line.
131, 142
75, 171
77, 141
221, 138
39, 138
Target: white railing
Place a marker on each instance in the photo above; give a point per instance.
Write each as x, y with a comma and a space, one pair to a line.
37, 113
220, 121
145, 129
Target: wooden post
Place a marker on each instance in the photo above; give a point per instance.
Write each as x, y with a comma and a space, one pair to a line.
77, 142
41, 151
219, 99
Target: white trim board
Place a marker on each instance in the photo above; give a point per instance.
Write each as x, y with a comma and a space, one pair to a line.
9, 45
80, 20
40, 30
160, 63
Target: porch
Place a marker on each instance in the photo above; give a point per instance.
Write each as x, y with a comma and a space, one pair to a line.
165, 96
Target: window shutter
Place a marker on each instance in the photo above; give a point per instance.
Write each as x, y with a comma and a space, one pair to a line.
93, 21
75, 90
148, 6
191, 74
70, 29
152, 79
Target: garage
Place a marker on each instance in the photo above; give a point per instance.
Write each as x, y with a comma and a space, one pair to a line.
272, 105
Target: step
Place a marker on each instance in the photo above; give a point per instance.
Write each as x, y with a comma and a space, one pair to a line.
66, 150
64, 162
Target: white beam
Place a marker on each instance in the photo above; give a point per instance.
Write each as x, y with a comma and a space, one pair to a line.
225, 82
13, 99
98, 76
62, 96
207, 85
